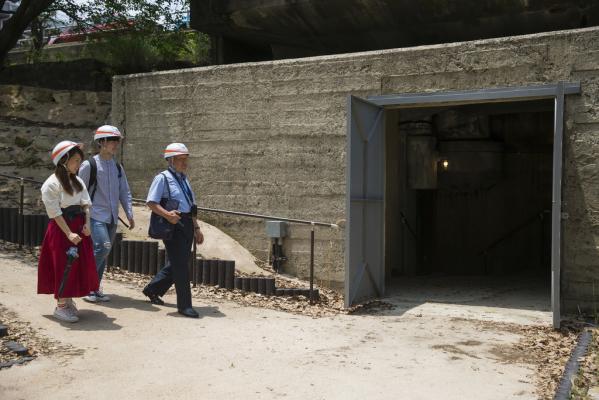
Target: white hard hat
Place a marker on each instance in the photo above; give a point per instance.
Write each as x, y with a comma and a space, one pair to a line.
107, 131
175, 149
61, 149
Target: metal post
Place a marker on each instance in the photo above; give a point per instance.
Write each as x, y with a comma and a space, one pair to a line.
194, 262
20, 220
312, 264
556, 210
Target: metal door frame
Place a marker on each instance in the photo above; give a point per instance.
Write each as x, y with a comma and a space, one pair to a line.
556, 92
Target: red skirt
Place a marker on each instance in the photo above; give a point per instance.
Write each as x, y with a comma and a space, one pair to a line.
83, 277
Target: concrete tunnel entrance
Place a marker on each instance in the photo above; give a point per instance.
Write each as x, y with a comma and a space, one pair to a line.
457, 190
468, 204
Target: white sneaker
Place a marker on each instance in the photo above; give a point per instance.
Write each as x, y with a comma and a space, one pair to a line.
91, 298
72, 306
73, 312
65, 314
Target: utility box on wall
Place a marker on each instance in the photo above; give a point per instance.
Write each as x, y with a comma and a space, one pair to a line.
276, 229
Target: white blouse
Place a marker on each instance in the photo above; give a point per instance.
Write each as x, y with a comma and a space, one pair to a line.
55, 198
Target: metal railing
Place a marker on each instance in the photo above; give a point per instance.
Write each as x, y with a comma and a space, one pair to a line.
539, 216
312, 224
22, 187
22, 181
276, 218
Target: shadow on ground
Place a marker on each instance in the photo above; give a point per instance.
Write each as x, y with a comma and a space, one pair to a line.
207, 311
120, 302
89, 320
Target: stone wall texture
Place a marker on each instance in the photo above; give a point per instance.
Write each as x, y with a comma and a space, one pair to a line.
32, 121
270, 137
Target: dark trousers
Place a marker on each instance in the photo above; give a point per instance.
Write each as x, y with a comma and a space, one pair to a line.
176, 269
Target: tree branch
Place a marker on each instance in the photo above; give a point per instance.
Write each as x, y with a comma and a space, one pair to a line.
105, 15
16, 25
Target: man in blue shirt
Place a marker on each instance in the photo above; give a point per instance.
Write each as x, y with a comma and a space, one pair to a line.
107, 186
173, 184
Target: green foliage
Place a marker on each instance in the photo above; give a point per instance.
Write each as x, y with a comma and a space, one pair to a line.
142, 52
139, 15
128, 35
133, 29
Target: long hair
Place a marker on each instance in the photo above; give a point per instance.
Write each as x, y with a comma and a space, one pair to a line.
69, 181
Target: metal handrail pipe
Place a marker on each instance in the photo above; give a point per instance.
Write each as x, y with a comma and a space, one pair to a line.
18, 178
23, 180
270, 217
261, 216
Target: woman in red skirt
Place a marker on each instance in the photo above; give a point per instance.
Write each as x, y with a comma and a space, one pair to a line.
67, 204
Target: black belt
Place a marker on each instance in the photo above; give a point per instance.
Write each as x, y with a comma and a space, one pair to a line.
186, 215
71, 212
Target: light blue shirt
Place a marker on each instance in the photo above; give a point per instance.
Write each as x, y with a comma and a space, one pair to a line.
110, 190
158, 190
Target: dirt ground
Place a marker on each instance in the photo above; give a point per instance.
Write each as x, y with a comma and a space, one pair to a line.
131, 349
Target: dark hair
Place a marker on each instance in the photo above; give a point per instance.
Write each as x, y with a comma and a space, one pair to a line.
97, 144
107, 139
68, 181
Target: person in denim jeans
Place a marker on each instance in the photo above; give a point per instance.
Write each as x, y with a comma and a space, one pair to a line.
107, 190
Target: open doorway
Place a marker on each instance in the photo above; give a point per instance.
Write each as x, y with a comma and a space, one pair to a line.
468, 204
478, 166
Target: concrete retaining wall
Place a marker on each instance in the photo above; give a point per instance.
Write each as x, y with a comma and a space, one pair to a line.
270, 137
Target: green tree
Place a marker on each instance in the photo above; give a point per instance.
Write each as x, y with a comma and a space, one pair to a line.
145, 16
12, 29
142, 52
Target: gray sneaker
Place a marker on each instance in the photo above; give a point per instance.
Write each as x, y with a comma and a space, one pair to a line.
65, 314
100, 296
91, 298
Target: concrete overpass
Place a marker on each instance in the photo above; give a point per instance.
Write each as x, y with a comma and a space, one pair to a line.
252, 30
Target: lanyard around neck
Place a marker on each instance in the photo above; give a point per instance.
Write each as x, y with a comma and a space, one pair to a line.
184, 187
